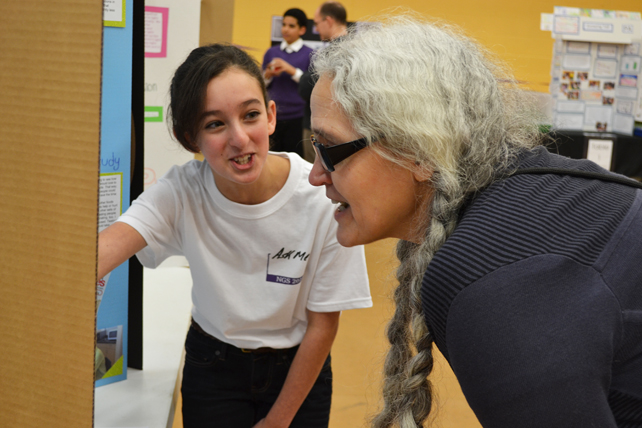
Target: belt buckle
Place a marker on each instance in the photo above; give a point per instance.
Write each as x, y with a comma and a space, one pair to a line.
246, 351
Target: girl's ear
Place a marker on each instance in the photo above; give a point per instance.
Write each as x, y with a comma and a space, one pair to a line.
194, 147
271, 113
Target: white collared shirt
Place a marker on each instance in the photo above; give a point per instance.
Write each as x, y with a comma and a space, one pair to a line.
294, 47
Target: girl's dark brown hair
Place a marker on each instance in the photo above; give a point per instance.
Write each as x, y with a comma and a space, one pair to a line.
189, 87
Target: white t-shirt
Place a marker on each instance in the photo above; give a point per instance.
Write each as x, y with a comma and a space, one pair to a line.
255, 268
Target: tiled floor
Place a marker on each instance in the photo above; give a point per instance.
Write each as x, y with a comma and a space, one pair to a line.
359, 351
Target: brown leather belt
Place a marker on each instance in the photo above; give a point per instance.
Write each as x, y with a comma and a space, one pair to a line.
244, 350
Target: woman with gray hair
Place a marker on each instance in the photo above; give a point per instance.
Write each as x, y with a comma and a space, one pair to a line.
523, 267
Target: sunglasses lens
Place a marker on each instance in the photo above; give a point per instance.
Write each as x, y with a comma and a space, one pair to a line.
318, 149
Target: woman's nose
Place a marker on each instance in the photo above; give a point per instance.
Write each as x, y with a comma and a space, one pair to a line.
319, 176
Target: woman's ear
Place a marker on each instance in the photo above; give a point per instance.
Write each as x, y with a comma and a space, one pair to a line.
421, 173
271, 113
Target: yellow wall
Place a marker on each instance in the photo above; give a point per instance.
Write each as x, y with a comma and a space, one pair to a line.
510, 29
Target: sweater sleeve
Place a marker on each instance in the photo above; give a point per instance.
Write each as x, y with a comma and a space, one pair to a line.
532, 345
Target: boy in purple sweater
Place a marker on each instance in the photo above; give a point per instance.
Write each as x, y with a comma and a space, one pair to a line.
283, 66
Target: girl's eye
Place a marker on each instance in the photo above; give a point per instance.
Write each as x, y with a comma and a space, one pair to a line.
214, 124
253, 115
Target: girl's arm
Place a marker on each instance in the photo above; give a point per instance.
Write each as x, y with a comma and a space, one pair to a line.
116, 244
305, 369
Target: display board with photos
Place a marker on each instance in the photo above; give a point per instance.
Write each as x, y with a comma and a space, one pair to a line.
596, 81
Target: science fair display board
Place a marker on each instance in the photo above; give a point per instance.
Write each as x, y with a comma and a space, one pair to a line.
596, 82
114, 186
171, 32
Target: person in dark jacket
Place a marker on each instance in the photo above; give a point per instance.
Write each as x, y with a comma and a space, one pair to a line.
521, 266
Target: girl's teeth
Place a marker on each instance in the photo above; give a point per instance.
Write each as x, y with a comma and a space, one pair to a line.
242, 160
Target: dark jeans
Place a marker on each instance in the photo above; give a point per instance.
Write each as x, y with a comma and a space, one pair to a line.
287, 136
226, 387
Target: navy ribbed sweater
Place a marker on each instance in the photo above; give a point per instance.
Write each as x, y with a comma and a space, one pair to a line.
536, 300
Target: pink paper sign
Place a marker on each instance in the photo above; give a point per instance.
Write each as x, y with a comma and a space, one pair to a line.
156, 31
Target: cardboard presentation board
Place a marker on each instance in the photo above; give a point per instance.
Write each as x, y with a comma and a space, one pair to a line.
50, 75
596, 74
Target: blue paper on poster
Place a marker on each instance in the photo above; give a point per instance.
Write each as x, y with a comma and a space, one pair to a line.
115, 176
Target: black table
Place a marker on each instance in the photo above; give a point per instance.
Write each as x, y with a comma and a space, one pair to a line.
627, 149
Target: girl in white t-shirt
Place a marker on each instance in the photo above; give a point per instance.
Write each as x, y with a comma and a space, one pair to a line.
269, 277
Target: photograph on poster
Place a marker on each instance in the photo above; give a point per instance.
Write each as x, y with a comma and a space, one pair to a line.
575, 85
609, 86
607, 51
594, 84
605, 68
607, 101
582, 75
568, 75
602, 127
630, 80
109, 352
573, 95
578, 62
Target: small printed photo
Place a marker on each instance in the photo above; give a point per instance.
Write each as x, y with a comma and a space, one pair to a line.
609, 86
607, 101
594, 84
109, 352
630, 80
573, 95
575, 86
564, 88
601, 126
582, 75
568, 75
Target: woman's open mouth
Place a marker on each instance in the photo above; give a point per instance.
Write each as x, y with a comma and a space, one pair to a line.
342, 205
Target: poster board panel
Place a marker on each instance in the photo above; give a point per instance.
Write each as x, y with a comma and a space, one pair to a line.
50, 76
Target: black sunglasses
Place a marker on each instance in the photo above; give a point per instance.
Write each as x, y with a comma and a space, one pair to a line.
330, 156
